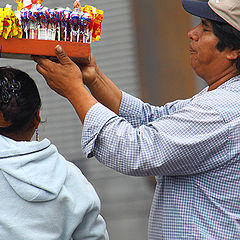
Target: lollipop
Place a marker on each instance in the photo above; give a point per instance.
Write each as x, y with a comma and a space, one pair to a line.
25, 21
44, 16
34, 21
58, 16
65, 24
75, 26
52, 26
86, 23
43, 23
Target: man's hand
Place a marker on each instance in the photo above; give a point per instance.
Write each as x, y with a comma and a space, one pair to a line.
62, 77
89, 71
65, 78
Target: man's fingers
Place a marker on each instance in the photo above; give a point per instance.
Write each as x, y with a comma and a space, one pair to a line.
43, 62
41, 70
62, 56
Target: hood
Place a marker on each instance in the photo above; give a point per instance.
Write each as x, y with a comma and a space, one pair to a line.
34, 170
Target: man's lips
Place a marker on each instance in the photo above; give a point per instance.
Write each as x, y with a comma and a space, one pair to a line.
191, 50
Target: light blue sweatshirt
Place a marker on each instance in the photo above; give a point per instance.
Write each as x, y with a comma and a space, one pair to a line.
45, 197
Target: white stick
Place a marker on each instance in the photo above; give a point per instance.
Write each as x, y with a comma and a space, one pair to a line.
59, 32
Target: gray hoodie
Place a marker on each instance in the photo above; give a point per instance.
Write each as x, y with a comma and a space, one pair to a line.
45, 197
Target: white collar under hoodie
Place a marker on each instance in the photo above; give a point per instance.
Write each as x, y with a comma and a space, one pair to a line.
43, 196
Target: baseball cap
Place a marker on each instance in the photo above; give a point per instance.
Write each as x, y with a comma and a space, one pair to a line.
226, 11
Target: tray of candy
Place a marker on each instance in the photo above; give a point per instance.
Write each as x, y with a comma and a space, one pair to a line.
23, 49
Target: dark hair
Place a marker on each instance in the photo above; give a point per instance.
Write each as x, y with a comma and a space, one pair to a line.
228, 36
19, 98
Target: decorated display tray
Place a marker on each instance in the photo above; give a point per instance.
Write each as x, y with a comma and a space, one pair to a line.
23, 49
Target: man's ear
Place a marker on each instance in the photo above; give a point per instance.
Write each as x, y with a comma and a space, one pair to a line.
37, 119
233, 54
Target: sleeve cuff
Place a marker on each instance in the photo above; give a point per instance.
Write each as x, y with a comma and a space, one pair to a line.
96, 118
130, 106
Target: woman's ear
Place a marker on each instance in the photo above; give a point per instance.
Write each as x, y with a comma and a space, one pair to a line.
37, 119
3, 123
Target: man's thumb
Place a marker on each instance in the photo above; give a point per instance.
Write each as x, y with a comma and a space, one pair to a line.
62, 56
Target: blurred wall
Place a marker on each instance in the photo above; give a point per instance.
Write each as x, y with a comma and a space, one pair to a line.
144, 50
163, 55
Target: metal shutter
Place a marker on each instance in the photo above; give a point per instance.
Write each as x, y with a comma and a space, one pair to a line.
125, 200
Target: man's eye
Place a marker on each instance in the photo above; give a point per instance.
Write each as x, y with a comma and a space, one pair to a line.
205, 30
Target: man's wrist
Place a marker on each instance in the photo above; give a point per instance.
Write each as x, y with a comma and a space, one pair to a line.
82, 100
74, 89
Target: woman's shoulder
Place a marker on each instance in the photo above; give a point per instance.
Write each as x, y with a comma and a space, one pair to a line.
77, 183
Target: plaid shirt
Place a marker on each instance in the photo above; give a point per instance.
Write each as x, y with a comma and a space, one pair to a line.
192, 147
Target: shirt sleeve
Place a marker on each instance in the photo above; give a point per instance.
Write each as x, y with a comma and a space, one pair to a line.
138, 113
192, 140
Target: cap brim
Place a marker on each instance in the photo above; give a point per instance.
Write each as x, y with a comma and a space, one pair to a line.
200, 8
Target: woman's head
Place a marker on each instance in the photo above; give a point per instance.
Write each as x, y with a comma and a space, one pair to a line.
19, 100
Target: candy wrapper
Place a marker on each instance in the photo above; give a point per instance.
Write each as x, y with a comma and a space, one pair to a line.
96, 21
20, 5
77, 6
9, 24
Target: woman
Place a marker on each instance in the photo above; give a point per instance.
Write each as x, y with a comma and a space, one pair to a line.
43, 196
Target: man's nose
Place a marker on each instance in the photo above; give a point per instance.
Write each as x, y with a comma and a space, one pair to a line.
193, 34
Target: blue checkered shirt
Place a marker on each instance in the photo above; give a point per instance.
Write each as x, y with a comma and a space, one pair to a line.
191, 146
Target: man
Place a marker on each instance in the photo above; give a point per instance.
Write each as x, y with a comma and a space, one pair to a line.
191, 146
